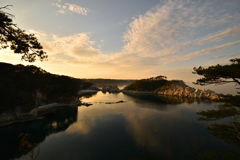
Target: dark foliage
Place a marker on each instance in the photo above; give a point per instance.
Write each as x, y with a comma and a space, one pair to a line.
224, 131
219, 74
19, 86
19, 41
229, 106
37, 130
220, 113
146, 85
150, 84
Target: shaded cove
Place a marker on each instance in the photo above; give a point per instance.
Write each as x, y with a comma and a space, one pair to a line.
37, 130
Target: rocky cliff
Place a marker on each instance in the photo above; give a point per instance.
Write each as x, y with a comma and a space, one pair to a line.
181, 89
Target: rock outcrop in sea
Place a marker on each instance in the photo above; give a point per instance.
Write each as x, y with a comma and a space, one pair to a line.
168, 88
111, 89
181, 89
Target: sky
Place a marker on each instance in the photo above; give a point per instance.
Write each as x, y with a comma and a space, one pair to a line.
129, 39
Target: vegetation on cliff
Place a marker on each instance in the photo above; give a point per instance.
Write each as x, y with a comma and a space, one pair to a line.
219, 74
21, 86
150, 84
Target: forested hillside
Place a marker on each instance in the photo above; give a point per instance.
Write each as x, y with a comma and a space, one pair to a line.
21, 86
150, 84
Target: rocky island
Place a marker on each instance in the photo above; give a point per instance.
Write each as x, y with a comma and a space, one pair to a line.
159, 85
181, 89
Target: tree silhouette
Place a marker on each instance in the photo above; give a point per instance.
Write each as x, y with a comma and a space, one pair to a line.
19, 41
229, 106
219, 74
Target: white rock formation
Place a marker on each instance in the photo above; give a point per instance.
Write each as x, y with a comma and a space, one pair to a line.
181, 89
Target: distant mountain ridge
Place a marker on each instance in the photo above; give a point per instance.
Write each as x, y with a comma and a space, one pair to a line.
101, 82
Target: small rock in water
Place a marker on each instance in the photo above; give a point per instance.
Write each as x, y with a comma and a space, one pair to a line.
87, 104
120, 101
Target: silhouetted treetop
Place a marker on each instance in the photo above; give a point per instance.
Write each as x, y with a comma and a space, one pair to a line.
19, 41
228, 108
150, 84
219, 74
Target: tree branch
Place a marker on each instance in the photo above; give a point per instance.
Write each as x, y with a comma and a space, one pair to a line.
5, 7
236, 80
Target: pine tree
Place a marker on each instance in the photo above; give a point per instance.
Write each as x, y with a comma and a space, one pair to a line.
19, 41
229, 106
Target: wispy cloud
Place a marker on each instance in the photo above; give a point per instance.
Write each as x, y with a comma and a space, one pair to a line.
214, 37
220, 35
123, 22
202, 52
171, 27
226, 56
67, 7
158, 35
37, 33
175, 30
73, 47
77, 45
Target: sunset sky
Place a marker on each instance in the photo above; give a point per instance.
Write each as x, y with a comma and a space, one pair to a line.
129, 39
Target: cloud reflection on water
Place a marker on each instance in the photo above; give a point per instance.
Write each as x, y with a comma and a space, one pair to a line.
151, 121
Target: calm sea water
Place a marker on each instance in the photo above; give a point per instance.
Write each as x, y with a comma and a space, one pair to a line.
143, 127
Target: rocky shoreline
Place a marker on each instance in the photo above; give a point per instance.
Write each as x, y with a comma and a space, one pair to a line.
37, 113
179, 89
183, 90
40, 112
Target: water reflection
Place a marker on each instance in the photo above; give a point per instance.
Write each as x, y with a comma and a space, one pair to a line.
143, 125
87, 95
38, 131
168, 99
138, 129
178, 100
